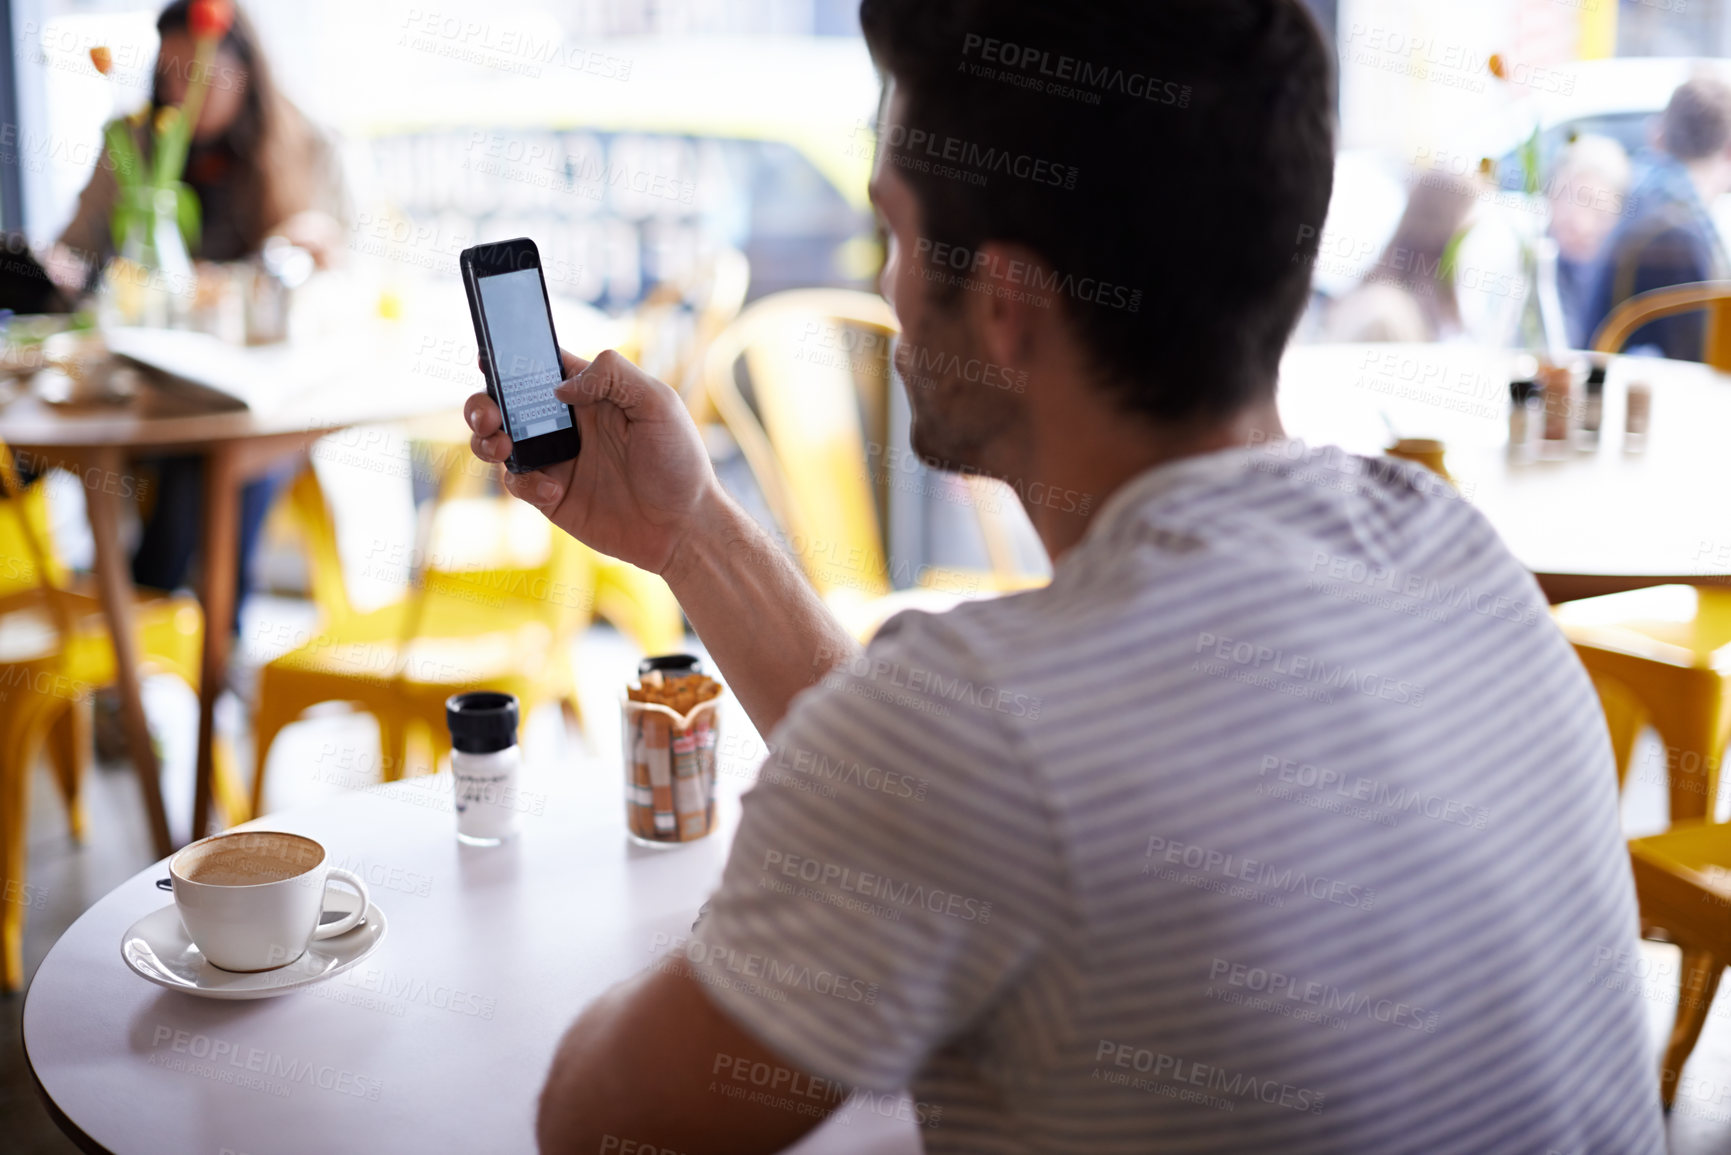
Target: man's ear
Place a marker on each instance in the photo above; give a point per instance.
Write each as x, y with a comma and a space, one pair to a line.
1006, 308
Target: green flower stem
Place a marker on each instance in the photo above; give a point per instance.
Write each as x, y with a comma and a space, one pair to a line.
175, 143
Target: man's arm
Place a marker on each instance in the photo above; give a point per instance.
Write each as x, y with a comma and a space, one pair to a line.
642, 490
653, 1064
761, 620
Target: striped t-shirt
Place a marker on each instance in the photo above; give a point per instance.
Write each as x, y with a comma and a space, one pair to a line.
1284, 819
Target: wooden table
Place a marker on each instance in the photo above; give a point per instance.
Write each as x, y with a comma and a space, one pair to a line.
367, 377
1586, 521
438, 1041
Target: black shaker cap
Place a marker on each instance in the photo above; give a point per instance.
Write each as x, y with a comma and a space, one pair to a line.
482, 721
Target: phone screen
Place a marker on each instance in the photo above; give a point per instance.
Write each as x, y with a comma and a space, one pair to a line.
525, 356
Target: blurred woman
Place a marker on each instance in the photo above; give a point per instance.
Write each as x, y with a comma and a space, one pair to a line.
258, 165
1404, 296
260, 169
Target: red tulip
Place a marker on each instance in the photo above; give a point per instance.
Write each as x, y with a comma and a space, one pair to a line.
210, 19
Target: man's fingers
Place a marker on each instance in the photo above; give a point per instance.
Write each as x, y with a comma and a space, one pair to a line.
610, 377
494, 449
482, 415
536, 488
489, 442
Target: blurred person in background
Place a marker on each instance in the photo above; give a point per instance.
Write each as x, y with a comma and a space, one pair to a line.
259, 166
1587, 196
260, 169
1669, 238
1405, 296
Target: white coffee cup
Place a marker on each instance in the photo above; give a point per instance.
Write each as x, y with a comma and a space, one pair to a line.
251, 899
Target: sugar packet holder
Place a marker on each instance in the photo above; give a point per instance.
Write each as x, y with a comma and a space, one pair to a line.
670, 765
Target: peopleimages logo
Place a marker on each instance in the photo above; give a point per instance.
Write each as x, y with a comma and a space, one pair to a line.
877, 886
918, 145
757, 969
930, 682
1326, 998
1060, 71
1256, 872
1176, 1069
1018, 279
1302, 669
228, 1062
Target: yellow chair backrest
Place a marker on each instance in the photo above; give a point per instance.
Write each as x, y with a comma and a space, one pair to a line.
494, 551
805, 442
311, 516
28, 561
1713, 296
559, 590
674, 326
26, 545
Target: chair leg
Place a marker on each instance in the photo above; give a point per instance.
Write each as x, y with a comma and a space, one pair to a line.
269, 717
1625, 716
14, 799
21, 739
1690, 724
1695, 991
438, 747
69, 739
226, 783
393, 747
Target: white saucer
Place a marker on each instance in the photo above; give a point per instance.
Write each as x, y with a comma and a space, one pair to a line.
157, 948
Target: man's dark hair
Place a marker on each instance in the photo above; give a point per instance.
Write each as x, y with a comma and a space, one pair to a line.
1697, 121
1196, 138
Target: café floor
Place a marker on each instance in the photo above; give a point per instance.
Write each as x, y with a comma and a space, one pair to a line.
72, 876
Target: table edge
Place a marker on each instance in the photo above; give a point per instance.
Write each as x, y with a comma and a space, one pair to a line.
79, 1137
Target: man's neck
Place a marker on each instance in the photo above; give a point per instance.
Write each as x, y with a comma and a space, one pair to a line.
1078, 459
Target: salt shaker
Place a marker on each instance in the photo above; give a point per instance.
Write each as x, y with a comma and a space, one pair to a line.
485, 763
1639, 412
1557, 383
1593, 415
1521, 391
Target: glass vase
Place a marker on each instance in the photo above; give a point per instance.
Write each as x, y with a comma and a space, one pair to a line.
150, 282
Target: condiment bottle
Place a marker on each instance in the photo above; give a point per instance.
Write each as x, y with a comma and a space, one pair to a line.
485, 763
1639, 412
1593, 412
1521, 392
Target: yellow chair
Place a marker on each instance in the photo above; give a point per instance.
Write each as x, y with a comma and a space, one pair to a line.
1667, 669
803, 436
56, 651
505, 628
1662, 657
677, 322
1683, 883
1713, 296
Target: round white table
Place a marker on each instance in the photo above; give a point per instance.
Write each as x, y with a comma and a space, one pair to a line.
438, 1041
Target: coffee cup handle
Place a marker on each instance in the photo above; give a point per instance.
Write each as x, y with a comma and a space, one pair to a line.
348, 922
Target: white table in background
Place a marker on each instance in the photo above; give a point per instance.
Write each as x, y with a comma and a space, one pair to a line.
1590, 520
436, 1043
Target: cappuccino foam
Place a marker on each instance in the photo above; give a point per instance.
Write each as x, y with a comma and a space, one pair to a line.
251, 859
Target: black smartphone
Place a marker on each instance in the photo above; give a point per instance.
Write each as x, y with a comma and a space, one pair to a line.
519, 353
